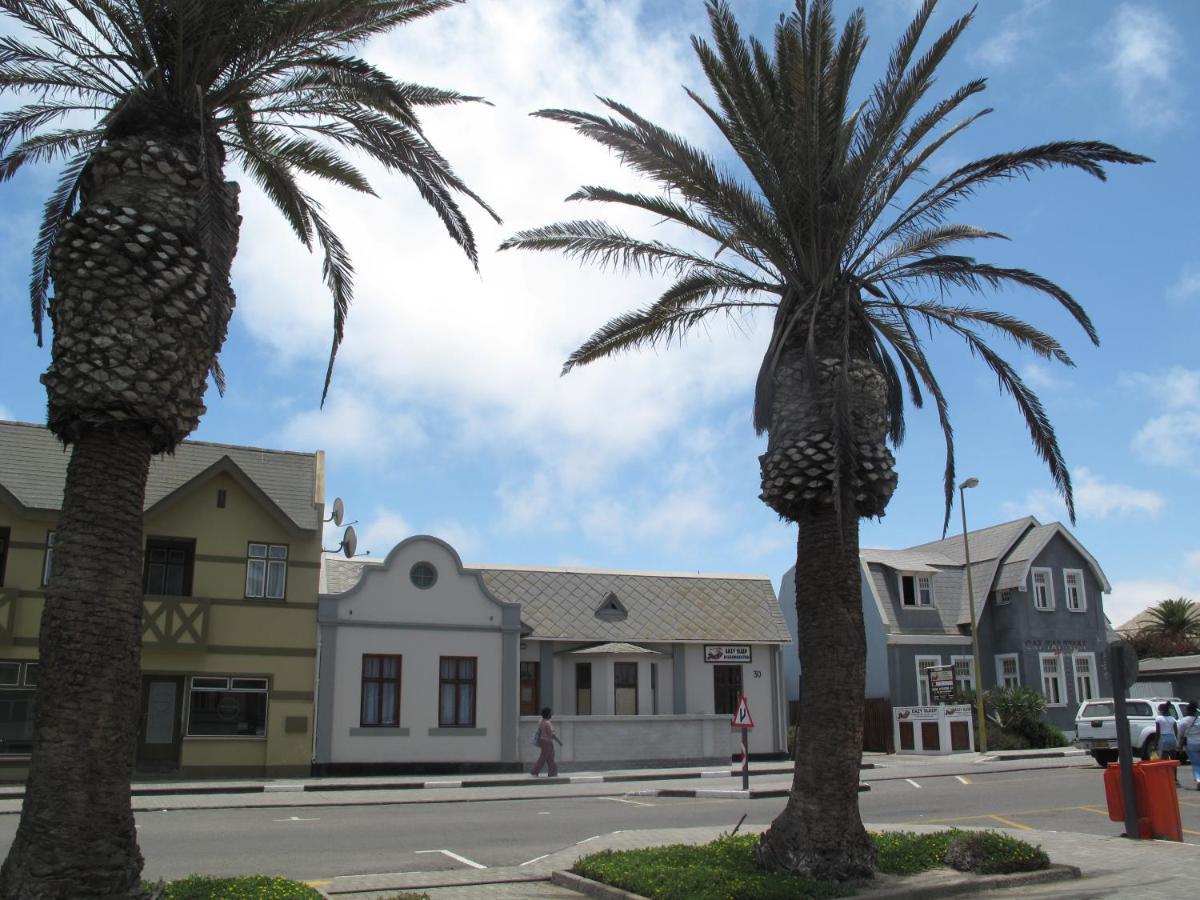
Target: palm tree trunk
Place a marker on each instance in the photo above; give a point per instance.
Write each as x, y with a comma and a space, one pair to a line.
76, 836
820, 834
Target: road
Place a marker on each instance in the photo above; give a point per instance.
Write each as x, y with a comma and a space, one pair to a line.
318, 842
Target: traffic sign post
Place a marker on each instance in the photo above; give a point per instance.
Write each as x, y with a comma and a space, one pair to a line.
743, 720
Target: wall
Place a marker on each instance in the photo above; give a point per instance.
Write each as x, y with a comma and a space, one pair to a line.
387, 614
599, 742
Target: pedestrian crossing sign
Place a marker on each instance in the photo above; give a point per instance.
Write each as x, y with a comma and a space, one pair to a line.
741, 717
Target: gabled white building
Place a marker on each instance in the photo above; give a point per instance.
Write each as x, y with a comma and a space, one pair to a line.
427, 663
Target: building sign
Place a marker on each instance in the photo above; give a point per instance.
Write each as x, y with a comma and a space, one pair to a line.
1057, 645
930, 713
727, 653
941, 683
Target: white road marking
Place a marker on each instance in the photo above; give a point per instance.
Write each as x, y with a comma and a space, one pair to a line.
535, 859
623, 800
453, 855
963, 780
585, 840
295, 819
913, 783
543, 813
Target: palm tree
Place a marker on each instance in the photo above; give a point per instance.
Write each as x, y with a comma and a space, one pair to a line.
147, 100
1174, 625
832, 224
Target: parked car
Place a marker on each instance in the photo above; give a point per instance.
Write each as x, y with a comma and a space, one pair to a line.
1096, 726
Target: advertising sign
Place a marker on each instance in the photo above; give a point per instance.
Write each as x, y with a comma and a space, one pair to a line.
727, 653
941, 683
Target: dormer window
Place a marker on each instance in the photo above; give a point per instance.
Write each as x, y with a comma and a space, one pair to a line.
916, 591
611, 610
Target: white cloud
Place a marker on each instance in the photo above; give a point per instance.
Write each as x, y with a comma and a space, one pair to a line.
1192, 560
1042, 377
1143, 49
382, 531
429, 340
1017, 31
1187, 287
1171, 438
352, 428
1128, 598
1095, 498
5, 414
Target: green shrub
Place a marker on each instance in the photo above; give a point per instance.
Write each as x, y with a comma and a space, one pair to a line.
907, 853
1016, 708
722, 870
993, 853
245, 887
1003, 739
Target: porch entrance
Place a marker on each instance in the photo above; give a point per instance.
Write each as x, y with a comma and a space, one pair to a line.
160, 732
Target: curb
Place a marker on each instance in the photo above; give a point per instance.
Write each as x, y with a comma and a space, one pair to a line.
954, 887
1049, 754
731, 794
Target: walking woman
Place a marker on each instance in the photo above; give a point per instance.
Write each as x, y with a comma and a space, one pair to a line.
546, 739
1165, 726
1189, 736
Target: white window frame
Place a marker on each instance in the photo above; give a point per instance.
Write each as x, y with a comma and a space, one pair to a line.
923, 698
1061, 678
1067, 591
919, 590
970, 661
1001, 675
48, 563
1033, 589
1093, 686
272, 557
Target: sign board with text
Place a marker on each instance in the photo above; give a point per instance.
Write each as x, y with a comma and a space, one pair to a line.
727, 653
941, 683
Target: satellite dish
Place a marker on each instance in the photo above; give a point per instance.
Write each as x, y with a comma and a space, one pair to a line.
339, 512
350, 542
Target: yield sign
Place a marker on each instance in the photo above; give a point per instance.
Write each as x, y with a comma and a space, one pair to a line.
741, 717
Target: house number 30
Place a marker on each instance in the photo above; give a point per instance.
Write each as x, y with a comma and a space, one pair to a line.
758, 673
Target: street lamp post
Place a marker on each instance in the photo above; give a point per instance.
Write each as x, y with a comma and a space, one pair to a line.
978, 679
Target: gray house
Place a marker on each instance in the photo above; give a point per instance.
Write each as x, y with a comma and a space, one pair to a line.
1038, 607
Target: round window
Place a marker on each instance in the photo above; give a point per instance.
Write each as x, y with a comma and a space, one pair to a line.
423, 575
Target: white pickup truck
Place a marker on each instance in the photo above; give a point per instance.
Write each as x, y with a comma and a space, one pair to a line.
1096, 726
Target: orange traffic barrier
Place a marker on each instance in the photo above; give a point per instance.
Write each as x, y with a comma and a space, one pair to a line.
1155, 795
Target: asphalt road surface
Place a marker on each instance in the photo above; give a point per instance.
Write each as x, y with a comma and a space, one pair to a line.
313, 843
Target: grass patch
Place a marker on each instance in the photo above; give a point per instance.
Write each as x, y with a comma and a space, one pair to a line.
725, 868
242, 887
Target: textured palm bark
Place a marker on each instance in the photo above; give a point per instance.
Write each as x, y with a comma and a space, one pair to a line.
819, 833
76, 836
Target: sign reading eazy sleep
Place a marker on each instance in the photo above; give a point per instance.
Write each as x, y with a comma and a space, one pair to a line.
727, 653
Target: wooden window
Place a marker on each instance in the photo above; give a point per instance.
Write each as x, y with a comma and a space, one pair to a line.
1085, 676
1053, 683
583, 689
1073, 585
456, 692
625, 689
916, 591
924, 663
3, 553
48, 563
380, 691
727, 687
266, 571
1043, 589
222, 706
964, 673
168, 567
530, 689
17, 697
1008, 673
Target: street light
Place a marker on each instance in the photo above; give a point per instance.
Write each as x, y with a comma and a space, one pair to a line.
978, 679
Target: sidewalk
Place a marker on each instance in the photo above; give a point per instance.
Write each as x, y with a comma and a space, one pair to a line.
1111, 866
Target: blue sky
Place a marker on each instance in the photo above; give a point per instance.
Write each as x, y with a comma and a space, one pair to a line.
448, 416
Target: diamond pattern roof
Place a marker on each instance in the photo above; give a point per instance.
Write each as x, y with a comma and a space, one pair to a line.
33, 468
561, 603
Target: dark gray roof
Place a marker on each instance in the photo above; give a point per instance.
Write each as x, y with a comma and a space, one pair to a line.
560, 603
33, 469
1169, 664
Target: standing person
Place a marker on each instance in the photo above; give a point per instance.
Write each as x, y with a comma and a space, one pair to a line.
1189, 736
1165, 726
546, 739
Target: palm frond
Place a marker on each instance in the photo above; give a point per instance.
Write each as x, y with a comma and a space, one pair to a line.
55, 214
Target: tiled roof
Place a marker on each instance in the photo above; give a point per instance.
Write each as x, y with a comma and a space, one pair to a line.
613, 647
33, 468
559, 603
1169, 664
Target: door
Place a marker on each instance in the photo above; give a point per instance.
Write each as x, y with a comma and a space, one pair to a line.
160, 733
